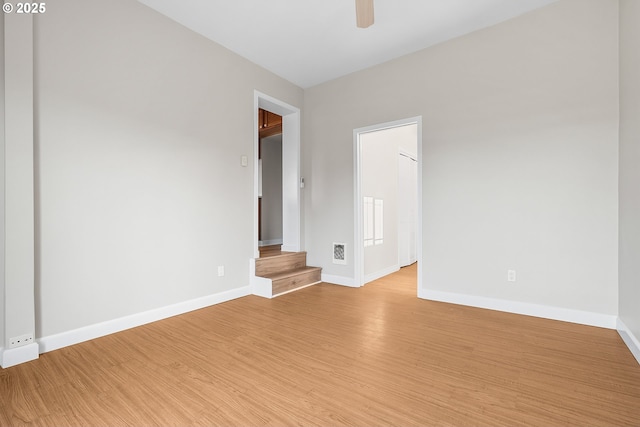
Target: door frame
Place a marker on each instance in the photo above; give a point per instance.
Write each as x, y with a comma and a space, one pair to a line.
291, 203
358, 251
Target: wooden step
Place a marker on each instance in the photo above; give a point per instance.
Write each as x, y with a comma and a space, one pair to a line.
293, 279
285, 262
271, 250
283, 273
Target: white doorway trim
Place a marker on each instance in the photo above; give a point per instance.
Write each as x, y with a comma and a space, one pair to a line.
358, 252
290, 170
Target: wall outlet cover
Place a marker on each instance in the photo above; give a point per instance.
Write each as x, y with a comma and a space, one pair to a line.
21, 340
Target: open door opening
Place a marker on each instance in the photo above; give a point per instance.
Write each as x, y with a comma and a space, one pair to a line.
286, 270
388, 214
291, 203
269, 181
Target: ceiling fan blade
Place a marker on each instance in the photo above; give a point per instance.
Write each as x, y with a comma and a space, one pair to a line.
364, 13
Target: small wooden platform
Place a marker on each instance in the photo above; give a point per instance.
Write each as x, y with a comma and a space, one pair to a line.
287, 271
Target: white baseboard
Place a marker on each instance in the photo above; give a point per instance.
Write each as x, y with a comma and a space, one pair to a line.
422, 294
64, 339
16, 356
339, 280
629, 339
378, 274
528, 309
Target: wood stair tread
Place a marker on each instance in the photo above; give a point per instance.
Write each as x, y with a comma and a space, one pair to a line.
266, 267
286, 272
281, 255
289, 273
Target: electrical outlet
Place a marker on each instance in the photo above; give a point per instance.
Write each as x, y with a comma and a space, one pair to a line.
220, 270
21, 340
511, 275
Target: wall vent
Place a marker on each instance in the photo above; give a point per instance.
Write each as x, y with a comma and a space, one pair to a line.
339, 253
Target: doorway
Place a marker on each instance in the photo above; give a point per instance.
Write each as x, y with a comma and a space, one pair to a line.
388, 207
290, 170
269, 181
407, 208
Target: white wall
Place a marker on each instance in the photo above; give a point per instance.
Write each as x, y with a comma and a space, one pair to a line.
379, 179
2, 306
272, 188
141, 126
520, 152
630, 165
19, 251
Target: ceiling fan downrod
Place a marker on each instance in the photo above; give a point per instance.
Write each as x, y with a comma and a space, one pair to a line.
364, 13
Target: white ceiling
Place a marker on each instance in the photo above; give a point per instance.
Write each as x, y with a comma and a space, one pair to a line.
312, 41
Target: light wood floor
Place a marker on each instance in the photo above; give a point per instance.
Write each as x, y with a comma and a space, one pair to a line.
329, 355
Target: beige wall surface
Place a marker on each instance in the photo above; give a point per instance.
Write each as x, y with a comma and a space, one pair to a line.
520, 153
19, 246
2, 302
630, 165
141, 125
